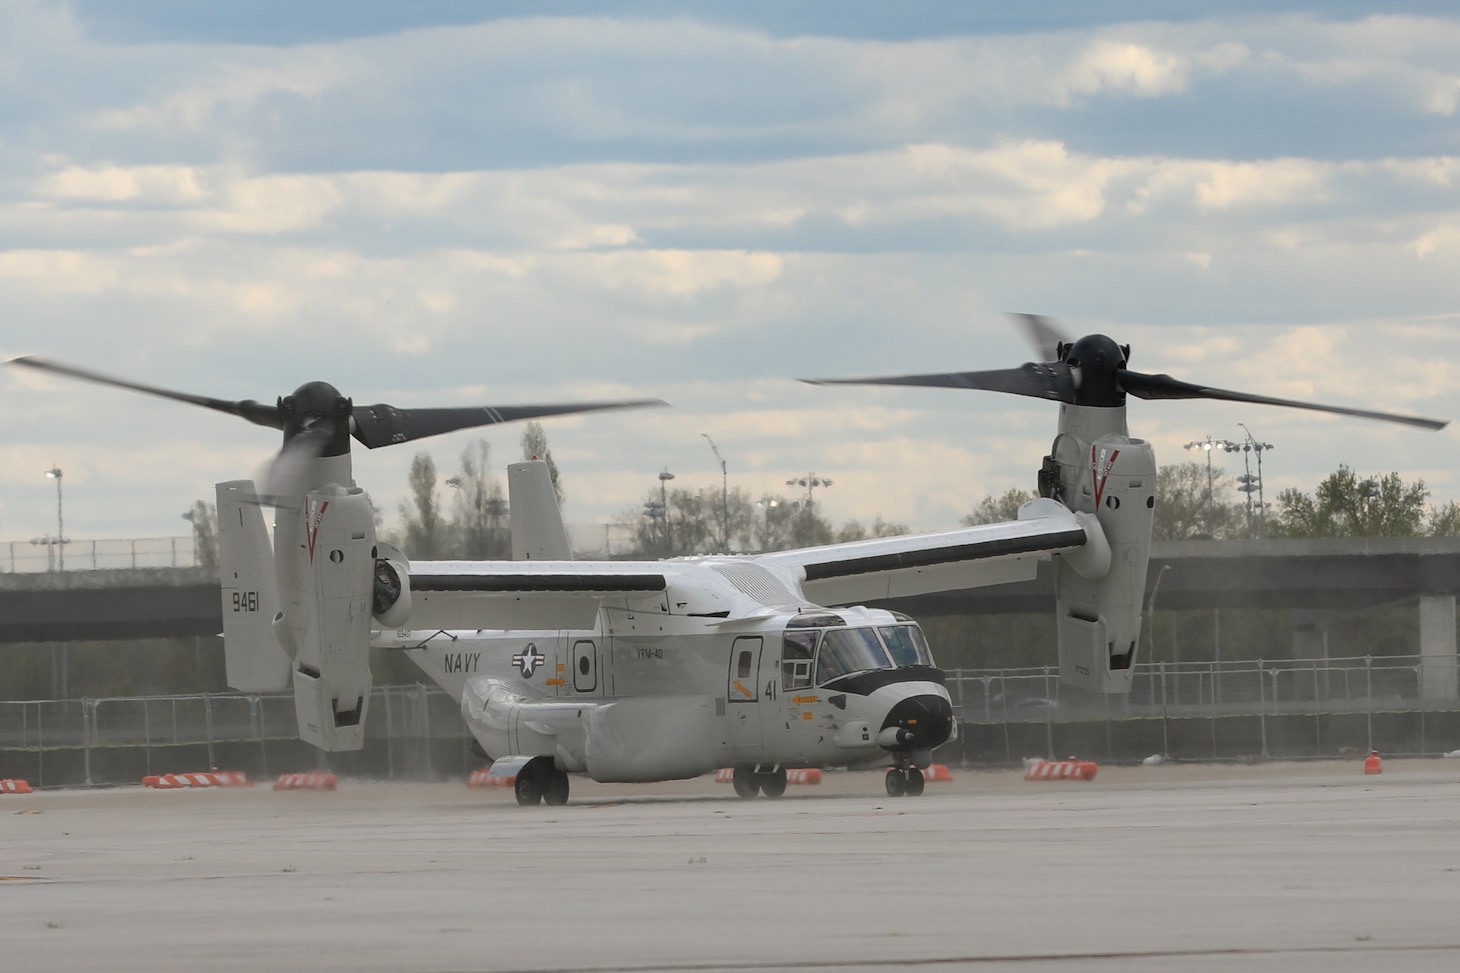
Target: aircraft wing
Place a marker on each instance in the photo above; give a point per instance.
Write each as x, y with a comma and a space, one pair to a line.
892, 567
523, 594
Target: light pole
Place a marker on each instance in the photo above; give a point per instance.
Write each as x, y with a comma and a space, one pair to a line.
664, 477
55, 473
768, 502
810, 481
724, 497
1207, 445
1251, 484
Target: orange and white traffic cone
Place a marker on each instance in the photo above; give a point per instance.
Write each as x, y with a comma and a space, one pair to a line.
1372, 763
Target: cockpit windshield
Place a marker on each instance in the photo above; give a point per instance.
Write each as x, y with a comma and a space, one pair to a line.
845, 650
819, 647
906, 645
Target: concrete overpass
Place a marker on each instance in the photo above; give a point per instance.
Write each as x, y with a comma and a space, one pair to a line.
1311, 576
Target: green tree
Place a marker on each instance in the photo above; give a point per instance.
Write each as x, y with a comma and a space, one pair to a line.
997, 510
1346, 506
1192, 502
1445, 521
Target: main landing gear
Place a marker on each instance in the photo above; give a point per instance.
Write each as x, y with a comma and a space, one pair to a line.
749, 782
904, 781
540, 782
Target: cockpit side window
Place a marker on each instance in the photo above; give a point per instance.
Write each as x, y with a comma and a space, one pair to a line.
906, 645
845, 650
797, 651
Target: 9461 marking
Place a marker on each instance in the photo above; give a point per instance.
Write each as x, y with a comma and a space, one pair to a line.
245, 601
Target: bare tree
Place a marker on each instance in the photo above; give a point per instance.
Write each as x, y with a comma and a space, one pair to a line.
423, 525
535, 446
479, 523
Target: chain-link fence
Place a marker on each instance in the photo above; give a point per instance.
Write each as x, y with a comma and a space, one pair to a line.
412, 732
1292, 709
47, 554
1258, 709
1196, 689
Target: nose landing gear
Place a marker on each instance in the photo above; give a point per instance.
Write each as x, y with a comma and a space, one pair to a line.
904, 781
749, 782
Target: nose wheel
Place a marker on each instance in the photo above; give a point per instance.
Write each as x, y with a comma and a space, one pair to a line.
749, 782
904, 781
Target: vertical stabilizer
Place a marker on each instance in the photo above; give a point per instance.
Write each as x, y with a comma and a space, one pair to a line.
256, 662
538, 533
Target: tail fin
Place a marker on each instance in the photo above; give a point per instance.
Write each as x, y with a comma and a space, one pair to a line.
256, 662
538, 533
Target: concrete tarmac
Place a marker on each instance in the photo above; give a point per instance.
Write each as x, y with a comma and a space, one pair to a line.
1287, 867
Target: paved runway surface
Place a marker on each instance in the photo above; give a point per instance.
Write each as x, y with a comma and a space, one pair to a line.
1273, 867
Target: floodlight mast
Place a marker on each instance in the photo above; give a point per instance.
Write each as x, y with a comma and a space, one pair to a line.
55, 473
724, 496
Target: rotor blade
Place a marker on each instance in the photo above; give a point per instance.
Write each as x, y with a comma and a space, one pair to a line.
1042, 334
255, 412
282, 482
1041, 381
381, 425
1165, 387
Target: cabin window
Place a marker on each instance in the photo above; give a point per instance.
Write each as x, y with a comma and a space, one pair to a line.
742, 665
906, 645
797, 651
845, 650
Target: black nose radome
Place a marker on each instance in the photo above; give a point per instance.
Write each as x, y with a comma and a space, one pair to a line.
922, 722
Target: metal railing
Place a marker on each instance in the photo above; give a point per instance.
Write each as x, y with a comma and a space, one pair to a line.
41, 554
82, 741
1196, 689
1198, 711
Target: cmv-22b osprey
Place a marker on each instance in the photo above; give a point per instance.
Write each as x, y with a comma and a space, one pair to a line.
643, 671
622, 670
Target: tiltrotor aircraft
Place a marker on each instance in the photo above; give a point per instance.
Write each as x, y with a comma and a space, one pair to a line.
658, 670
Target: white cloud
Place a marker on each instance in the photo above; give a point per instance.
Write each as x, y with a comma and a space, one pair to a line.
548, 208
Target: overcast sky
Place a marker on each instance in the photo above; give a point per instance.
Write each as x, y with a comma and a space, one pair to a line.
426, 204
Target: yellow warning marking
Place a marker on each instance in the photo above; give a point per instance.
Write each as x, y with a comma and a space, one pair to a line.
802, 700
741, 686
562, 668
556, 682
807, 715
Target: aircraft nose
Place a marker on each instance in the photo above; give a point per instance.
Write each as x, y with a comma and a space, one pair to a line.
919, 722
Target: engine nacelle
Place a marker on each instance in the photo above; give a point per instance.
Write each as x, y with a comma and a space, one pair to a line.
1099, 612
336, 558
390, 600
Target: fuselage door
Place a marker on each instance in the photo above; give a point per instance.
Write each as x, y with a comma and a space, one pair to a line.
742, 693
743, 683
585, 666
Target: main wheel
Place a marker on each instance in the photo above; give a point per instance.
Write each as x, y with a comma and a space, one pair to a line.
773, 784
747, 782
914, 782
528, 787
555, 789
896, 783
